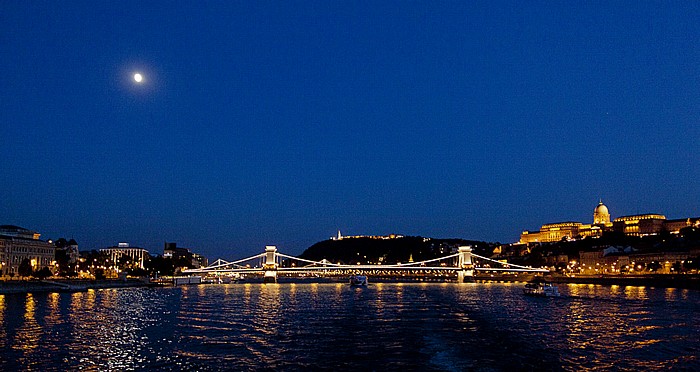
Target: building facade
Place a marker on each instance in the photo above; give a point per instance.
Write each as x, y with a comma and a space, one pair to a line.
18, 244
640, 225
634, 225
554, 232
138, 255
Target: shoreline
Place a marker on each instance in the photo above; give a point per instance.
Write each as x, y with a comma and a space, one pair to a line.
64, 285
69, 286
654, 281
662, 281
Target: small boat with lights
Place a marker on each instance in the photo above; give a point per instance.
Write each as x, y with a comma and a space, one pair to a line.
358, 281
541, 288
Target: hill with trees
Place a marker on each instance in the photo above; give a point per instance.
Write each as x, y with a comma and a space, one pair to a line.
389, 251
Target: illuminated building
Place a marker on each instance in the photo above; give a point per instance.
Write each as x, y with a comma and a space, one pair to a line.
649, 224
551, 232
601, 216
18, 244
554, 232
635, 225
123, 249
640, 225
675, 226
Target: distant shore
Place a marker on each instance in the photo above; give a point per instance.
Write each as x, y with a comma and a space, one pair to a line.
658, 281
64, 285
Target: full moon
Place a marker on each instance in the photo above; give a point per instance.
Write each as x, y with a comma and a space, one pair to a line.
138, 78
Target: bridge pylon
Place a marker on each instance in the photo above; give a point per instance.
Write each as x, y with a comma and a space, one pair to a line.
270, 265
466, 274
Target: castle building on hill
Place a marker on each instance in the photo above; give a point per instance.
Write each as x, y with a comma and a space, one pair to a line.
635, 225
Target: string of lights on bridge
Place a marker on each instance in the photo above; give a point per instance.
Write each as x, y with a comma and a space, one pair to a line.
270, 260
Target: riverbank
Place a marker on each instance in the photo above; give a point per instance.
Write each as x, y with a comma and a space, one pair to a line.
658, 281
64, 285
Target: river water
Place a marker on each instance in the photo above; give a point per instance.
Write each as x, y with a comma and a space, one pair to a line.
334, 327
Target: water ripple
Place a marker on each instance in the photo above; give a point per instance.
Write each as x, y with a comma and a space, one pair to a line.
440, 327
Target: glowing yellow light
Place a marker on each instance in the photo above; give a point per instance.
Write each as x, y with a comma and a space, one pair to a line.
138, 77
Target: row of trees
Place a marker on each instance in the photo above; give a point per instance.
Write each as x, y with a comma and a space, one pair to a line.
25, 269
389, 251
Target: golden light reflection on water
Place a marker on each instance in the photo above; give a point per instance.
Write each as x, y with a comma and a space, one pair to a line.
246, 295
670, 294
399, 292
574, 289
53, 315
90, 298
615, 320
3, 335
293, 292
636, 293
108, 299
116, 332
28, 334
269, 303
267, 320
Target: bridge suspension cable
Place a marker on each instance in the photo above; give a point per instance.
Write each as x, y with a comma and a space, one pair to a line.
272, 262
234, 263
409, 264
505, 264
402, 265
309, 261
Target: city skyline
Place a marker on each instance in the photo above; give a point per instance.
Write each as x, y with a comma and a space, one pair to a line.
676, 222
254, 124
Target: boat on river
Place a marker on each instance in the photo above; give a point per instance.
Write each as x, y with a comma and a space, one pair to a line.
541, 288
358, 281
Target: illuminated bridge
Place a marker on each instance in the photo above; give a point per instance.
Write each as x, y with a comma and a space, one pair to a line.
271, 264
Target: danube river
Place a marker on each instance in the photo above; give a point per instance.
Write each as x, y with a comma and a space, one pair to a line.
390, 326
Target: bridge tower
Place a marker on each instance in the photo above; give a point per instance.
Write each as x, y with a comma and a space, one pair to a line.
466, 274
270, 265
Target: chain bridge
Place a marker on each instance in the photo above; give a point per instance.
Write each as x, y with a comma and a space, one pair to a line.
271, 264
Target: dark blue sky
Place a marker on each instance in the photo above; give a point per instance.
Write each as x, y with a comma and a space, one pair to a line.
281, 122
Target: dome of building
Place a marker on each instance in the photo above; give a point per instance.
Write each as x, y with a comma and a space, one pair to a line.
601, 215
601, 209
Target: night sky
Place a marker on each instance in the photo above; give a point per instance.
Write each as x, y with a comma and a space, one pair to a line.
281, 122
